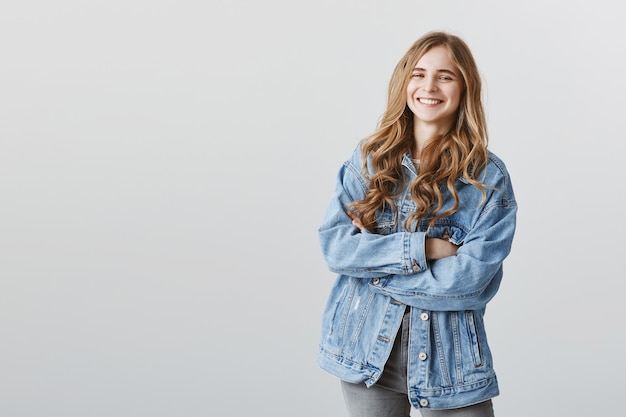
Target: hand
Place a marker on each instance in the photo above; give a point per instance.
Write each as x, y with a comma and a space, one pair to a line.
355, 220
439, 248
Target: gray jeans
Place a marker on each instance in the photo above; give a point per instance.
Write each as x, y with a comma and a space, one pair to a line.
389, 398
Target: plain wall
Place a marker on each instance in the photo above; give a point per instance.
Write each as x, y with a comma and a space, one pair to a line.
164, 166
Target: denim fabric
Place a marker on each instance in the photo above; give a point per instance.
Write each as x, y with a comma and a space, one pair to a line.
379, 274
388, 397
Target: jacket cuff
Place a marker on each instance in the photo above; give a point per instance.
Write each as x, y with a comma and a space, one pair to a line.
415, 255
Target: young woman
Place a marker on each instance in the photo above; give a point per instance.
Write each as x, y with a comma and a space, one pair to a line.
422, 218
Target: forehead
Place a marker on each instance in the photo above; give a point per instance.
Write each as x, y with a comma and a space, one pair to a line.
436, 58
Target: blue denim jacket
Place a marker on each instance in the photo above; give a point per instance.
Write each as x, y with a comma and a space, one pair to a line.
381, 273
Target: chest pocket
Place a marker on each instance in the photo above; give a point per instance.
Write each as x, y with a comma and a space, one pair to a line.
386, 221
406, 209
449, 229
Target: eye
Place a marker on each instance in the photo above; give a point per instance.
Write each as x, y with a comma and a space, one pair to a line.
417, 75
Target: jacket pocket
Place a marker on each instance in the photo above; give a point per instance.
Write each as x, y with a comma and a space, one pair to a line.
335, 315
385, 222
473, 336
450, 230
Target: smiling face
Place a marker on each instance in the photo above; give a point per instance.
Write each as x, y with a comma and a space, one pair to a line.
434, 91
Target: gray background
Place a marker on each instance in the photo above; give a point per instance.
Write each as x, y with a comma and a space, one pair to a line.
164, 166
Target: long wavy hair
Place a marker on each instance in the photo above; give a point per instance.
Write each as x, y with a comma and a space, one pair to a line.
459, 152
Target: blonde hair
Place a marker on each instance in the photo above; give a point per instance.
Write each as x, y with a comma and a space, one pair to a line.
462, 151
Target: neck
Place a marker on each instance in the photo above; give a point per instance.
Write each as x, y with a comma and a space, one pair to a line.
423, 132
422, 135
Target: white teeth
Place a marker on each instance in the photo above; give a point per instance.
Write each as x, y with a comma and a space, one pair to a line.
429, 101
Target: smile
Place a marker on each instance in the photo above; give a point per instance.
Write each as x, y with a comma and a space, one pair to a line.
429, 101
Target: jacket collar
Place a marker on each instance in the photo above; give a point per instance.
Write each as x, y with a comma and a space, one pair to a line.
407, 162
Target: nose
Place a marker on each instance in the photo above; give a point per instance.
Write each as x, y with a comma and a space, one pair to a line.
429, 84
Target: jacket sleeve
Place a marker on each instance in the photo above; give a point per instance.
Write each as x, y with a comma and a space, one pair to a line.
349, 251
470, 279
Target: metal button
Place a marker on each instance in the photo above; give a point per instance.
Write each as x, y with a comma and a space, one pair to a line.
416, 267
424, 402
375, 281
422, 356
424, 316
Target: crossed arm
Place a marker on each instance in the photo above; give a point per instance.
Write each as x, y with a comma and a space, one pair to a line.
434, 248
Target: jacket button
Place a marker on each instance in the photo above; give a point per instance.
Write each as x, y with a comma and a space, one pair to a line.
422, 356
416, 267
375, 281
424, 316
424, 402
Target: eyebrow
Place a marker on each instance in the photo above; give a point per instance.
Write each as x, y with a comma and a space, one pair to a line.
443, 70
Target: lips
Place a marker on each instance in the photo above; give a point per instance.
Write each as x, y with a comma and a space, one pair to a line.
429, 101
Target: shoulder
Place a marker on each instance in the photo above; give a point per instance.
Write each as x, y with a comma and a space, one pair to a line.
355, 162
351, 174
356, 158
496, 168
497, 175
497, 163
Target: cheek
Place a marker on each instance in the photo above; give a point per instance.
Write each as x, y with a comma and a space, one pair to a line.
458, 93
455, 97
411, 88
410, 91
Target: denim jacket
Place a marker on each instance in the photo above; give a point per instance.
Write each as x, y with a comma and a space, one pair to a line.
380, 274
